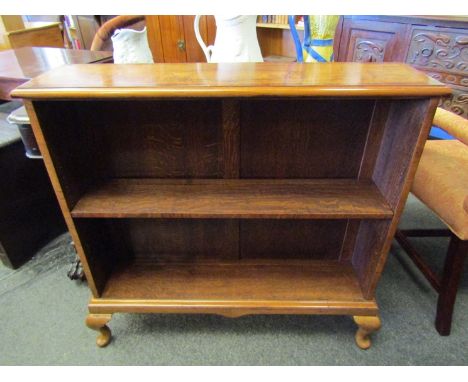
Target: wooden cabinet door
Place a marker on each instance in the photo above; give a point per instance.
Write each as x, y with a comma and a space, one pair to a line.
154, 38
372, 41
172, 38
207, 29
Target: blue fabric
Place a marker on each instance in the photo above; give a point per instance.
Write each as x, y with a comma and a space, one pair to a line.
438, 133
307, 33
320, 42
297, 41
308, 42
314, 54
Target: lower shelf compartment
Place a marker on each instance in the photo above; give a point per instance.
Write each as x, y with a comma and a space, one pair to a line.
235, 288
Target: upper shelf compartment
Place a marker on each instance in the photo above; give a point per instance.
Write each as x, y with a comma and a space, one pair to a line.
268, 79
234, 198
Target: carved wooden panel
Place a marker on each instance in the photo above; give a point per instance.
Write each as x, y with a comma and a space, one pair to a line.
457, 103
448, 78
370, 41
441, 49
367, 50
443, 54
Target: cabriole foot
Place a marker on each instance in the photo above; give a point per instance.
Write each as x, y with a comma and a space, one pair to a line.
98, 322
366, 326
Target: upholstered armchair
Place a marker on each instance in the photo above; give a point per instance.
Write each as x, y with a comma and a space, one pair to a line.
441, 183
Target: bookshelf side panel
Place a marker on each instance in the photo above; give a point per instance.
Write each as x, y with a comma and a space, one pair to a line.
65, 188
406, 131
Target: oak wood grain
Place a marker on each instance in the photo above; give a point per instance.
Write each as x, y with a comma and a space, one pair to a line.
236, 281
406, 130
349, 240
225, 204
233, 308
231, 80
174, 240
156, 138
285, 138
231, 138
243, 198
95, 284
375, 132
291, 239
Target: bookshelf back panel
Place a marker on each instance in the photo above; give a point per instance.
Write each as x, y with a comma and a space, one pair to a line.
216, 240
154, 139
275, 138
300, 138
292, 239
178, 240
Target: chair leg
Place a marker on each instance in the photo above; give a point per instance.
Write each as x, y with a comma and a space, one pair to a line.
450, 280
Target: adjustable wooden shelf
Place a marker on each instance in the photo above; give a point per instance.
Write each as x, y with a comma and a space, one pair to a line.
232, 189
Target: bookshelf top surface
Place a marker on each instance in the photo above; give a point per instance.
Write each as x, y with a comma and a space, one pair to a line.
231, 80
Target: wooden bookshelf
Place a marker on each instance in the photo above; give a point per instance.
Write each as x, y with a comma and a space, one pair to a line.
232, 189
275, 38
278, 26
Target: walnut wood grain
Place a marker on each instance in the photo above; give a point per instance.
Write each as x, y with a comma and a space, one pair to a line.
244, 198
231, 80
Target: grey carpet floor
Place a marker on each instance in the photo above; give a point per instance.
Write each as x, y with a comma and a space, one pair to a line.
42, 322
